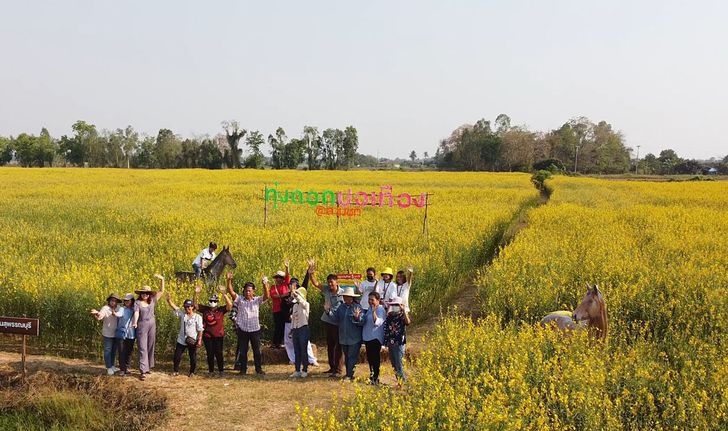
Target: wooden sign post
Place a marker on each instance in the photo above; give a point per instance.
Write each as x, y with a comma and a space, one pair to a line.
21, 326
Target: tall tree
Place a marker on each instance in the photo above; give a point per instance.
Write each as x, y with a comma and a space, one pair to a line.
254, 141
233, 133
413, 156
130, 143
114, 142
349, 146
332, 142
210, 155
312, 145
45, 148
6, 150
277, 143
146, 157
25, 149
168, 149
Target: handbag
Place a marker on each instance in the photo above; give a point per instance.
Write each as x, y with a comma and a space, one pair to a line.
190, 341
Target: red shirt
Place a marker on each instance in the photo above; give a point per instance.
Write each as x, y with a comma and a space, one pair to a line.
279, 290
212, 321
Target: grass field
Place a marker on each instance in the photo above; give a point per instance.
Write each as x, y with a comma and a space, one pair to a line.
75, 235
658, 253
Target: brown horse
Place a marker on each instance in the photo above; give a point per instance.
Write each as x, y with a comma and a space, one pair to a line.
213, 270
591, 313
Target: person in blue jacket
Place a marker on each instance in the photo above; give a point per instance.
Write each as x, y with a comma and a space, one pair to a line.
125, 334
347, 313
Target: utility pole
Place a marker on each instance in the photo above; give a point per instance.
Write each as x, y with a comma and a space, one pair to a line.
636, 165
576, 159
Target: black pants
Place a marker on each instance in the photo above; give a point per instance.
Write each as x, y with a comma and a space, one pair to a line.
333, 348
179, 350
279, 323
127, 348
374, 358
213, 347
254, 339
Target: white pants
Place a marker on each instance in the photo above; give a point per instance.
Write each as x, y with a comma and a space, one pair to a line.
288, 342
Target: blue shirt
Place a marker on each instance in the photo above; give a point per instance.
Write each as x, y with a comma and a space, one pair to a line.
334, 300
123, 328
349, 330
372, 329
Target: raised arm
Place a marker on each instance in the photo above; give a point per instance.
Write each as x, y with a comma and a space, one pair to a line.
410, 276
311, 272
287, 266
228, 302
229, 278
161, 290
196, 296
169, 301
266, 288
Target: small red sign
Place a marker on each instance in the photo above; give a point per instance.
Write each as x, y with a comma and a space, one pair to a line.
19, 325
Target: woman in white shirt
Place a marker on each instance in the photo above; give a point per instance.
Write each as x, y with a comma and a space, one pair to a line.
190, 334
399, 289
300, 332
110, 314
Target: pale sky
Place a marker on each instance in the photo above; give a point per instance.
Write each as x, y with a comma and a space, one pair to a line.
404, 73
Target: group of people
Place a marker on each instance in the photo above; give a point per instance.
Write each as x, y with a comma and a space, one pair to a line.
374, 312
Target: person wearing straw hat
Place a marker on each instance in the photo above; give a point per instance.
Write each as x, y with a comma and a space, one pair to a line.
278, 292
346, 314
395, 335
126, 335
146, 325
332, 297
372, 323
287, 336
110, 314
300, 332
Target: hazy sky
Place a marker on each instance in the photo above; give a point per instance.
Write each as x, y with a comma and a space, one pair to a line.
404, 73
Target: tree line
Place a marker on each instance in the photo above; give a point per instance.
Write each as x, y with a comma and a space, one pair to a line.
579, 145
87, 146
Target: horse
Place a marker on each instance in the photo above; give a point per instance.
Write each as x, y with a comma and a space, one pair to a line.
213, 270
591, 313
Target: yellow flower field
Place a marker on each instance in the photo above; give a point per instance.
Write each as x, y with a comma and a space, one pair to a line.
657, 251
73, 236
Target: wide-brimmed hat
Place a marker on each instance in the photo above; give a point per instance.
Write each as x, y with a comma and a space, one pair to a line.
349, 291
128, 297
395, 300
280, 274
145, 289
301, 291
113, 295
387, 271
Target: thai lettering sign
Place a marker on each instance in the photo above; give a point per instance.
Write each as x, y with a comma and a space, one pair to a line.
347, 279
348, 199
19, 325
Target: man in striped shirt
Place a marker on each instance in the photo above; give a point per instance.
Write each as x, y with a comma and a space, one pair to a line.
247, 323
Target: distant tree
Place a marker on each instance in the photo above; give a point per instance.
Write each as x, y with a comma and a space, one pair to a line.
668, 161
254, 141
332, 143
312, 146
114, 142
688, 167
130, 143
190, 152
365, 161
277, 143
502, 124
146, 157
649, 164
723, 166
426, 155
210, 156
349, 145
45, 148
233, 133
294, 153
25, 149
83, 146
413, 156
517, 150
168, 149
6, 150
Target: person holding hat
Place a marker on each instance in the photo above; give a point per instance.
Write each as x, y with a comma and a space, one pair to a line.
332, 297
300, 332
395, 335
189, 336
125, 334
278, 292
372, 323
146, 325
214, 324
203, 259
346, 314
247, 324
110, 314
287, 335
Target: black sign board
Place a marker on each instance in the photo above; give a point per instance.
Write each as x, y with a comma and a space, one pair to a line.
19, 325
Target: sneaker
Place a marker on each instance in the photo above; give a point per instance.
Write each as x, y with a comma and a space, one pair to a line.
142, 377
191, 375
115, 369
304, 374
175, 374
295, 375
110, 371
